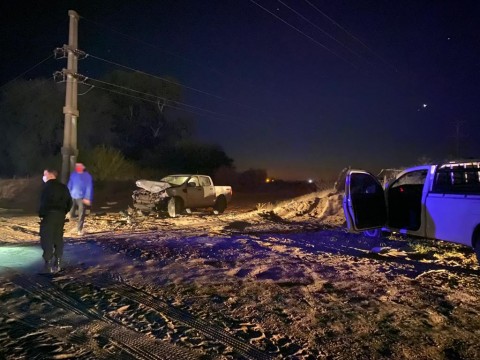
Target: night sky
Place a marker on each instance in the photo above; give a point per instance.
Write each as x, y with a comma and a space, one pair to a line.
370, 84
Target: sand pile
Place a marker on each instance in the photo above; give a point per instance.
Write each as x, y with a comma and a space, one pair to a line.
324, 206
14, 188
20, 193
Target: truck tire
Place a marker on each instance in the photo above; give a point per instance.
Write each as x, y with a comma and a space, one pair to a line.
220, 205
175, 206
477, 251
476, 243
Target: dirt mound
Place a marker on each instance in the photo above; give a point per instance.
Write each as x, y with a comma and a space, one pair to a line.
23, 193
324, 206
19, 188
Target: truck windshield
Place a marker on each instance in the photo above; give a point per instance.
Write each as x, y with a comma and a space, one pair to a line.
175, 180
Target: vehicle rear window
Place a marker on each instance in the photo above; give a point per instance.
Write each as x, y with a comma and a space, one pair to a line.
205, 181
457, 179
365, 184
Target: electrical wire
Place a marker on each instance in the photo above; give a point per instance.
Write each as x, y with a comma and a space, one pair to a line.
350, 34
157, 97
125, 88
221, 117
323, 31
337, 24
307, 36
168, 80
26, 71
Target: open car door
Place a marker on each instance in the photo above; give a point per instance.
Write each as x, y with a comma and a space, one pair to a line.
364, 201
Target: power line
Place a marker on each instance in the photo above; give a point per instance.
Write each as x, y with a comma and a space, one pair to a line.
155, 102
349, 34
26, 71
157, 97
219, 116
124, 87
155, 76
301, 32
169, 81
322, 30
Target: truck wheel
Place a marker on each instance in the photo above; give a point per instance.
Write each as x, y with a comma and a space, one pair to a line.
175, 206
476, 242
220, 205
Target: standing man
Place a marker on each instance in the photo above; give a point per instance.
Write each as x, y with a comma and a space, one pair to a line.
80, 185
55, 202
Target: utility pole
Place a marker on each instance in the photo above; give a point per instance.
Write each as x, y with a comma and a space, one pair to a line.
69, 149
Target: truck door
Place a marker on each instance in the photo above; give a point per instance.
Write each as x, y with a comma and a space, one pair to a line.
194, 193
364, 201
405, 201
208, 191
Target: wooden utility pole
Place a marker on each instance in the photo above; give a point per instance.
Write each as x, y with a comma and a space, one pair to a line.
69, 149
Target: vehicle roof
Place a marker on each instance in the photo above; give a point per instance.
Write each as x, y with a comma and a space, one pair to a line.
460, 162
184, 175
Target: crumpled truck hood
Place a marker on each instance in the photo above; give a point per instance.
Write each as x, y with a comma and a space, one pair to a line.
153, 186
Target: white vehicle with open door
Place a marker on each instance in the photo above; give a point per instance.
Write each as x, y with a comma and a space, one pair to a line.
432, 201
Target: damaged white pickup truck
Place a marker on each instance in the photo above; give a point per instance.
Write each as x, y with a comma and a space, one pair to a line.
181, 193
439, 202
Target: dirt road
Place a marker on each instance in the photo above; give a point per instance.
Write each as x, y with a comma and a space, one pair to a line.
284, 281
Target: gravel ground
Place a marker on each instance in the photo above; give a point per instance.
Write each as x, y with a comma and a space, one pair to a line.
264, 280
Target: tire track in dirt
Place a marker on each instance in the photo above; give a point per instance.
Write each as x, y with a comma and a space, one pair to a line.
141, 297
133, 344
27, 324
23, 229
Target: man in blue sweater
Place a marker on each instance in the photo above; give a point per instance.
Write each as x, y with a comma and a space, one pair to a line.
80, 185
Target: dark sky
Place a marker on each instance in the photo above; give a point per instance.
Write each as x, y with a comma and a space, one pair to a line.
349, 90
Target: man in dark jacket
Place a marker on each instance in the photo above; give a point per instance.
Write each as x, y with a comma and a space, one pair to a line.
55, 203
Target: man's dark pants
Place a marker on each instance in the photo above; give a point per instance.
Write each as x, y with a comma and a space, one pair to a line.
51, 234
78, 203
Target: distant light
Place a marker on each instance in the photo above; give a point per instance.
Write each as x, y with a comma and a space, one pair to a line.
310, 181
267, 180
424, 106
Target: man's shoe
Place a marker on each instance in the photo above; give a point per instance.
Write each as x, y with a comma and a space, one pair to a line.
56, 265
47, 268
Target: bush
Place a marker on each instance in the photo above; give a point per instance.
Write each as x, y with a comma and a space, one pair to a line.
106, 163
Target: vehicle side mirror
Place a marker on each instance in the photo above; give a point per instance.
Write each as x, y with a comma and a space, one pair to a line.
191, 184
